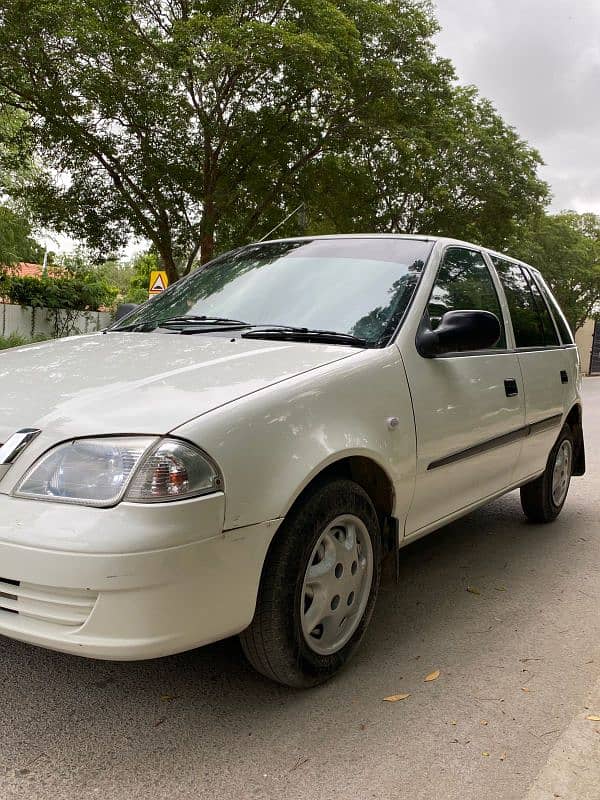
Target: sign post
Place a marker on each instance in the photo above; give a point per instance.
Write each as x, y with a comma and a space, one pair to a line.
158, 282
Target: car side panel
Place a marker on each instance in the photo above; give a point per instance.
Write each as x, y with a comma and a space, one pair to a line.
548, 401
273, 443
545, 401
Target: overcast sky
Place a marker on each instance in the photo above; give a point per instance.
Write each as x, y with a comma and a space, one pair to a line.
538, 61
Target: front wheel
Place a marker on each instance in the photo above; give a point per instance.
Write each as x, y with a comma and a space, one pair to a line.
542, 499
318, 587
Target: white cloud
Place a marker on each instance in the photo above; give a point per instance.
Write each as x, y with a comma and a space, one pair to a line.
539, 63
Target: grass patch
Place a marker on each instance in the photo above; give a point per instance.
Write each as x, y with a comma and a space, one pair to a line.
14, 340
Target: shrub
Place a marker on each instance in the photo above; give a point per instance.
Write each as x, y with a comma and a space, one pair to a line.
14, 340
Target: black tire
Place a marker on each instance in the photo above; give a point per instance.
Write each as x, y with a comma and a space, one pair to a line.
536, 497
274, 643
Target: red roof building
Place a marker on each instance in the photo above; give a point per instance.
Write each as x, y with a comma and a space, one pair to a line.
24, 270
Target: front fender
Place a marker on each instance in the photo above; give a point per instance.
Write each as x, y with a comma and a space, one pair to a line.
271, 444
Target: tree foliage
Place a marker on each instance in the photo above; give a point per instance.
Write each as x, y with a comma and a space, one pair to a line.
566, 249
16, 166
16, 238
462, 173
188, 122
139, 283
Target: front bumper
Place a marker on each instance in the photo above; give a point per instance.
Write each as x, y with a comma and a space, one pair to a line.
95, 600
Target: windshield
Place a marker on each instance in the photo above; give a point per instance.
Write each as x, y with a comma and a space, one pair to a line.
355, 286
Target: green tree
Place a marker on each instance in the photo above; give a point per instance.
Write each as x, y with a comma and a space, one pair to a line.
139, 283
16, 165
460, 171
566, 249
189, 122
16, 239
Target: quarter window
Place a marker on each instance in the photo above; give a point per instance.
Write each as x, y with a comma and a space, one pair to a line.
532, 323
464, 282
550, 335
563, 328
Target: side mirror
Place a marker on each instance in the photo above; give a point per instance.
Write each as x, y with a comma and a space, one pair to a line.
458, 331
124, 309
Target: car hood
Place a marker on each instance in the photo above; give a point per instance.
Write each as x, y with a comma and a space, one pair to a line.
141, 382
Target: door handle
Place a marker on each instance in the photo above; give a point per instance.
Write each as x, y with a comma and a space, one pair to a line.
564, 376
511, 388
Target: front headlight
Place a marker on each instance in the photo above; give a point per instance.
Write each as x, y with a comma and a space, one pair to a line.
101, 472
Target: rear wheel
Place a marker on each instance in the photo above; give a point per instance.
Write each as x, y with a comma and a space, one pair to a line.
542, 499
318, 588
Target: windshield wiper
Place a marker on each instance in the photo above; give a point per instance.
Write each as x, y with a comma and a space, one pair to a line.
204, 320
203, 324
186, 324
305, 335
138, 327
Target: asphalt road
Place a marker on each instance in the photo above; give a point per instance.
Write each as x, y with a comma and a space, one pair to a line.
519, 662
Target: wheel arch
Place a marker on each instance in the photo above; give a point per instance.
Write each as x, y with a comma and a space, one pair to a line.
369, 475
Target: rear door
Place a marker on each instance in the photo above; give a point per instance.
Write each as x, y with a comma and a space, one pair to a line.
468, 407
545, 365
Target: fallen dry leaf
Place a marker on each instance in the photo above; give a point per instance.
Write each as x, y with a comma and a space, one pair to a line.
525, 689
433, 676
453, 722
473, 590
485, 753
502, 756
593, 717
167, 698
393, 698
484, 722
500, 588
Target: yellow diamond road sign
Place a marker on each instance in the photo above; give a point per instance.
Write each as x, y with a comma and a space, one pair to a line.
158, 282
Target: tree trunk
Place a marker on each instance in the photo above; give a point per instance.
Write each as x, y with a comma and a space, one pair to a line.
167, 262
207, 246
207, 235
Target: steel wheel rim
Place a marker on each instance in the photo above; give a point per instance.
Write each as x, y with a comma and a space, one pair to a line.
561, 474
336, 585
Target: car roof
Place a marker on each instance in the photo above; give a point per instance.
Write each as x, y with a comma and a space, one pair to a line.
414, 236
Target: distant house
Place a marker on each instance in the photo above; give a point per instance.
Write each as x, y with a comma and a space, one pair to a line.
24, 270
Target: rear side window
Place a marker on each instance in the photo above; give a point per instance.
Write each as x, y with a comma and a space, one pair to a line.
464, 282
550, 335
563, 328
532, 323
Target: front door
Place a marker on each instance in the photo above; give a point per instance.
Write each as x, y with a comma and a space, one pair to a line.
468, 407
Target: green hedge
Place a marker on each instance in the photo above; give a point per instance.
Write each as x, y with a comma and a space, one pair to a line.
14, 340
66, 292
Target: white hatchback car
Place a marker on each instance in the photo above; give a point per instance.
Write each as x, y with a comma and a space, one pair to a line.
236, 455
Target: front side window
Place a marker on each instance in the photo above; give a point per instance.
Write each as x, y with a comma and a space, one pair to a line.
531, 320
464, 282
354, 286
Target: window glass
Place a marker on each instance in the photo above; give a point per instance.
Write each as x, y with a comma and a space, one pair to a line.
528, 325
550, 335
464, 282
563, 328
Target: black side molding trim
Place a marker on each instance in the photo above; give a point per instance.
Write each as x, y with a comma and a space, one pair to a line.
499, 441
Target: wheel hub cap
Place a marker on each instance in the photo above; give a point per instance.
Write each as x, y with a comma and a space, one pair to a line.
336, 585
561, 475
